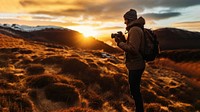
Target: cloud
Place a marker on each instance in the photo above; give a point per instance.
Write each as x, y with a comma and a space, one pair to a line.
165, 3
111, 28
104, 10
159, 16
192, 25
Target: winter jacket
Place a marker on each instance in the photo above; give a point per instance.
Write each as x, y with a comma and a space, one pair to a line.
134, 45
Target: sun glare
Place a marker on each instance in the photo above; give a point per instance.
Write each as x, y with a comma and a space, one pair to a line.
87, 31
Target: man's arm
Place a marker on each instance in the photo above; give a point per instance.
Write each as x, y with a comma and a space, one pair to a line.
133, 41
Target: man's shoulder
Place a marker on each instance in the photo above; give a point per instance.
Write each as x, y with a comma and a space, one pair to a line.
136, 28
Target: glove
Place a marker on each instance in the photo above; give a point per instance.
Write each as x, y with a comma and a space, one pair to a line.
122, 37
118, 40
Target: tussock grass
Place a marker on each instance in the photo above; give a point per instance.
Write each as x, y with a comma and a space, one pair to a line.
76, 109
60, 92
95, 100
149, 96
40, 81
59, 60
89, 76
9, 76
13, 101
154, 107
4, 84
3, 63
73, 66
108, 83
35, 69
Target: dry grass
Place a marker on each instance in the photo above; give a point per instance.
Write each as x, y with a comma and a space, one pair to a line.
13, 101
53, 60
10, 77
40, 81
95, 100
34, 69
76, 109
72, 80
73, 66
182, 55
62, 92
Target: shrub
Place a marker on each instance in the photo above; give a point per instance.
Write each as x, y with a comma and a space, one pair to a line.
40, 81
73, 66
60, 92
35, 69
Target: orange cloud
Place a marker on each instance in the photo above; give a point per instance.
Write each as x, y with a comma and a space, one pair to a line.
193, 25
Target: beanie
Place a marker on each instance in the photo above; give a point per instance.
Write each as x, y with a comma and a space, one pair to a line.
131, 14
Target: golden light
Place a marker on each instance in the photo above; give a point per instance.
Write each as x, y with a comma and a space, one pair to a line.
87, 31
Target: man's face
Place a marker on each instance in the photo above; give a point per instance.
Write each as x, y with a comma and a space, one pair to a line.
126, 21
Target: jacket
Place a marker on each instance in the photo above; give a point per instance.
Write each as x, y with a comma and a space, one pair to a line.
134, 45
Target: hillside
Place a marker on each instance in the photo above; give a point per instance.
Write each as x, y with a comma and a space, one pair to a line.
56, 35
45, 77
172, 38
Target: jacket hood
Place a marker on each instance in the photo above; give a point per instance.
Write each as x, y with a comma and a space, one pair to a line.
140, 22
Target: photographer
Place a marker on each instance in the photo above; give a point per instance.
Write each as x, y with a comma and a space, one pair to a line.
133, 47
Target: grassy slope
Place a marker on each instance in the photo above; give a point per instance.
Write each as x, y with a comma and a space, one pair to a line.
45, 77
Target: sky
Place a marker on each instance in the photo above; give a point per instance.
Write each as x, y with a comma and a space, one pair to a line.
101, 17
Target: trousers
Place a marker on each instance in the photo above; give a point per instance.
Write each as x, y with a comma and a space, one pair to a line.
134, 83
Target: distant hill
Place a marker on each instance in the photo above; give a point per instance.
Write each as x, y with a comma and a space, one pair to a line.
56, 35
172, 38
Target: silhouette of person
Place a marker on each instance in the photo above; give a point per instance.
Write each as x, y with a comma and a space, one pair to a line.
133, 47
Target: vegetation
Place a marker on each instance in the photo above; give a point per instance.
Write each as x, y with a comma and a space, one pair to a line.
35, 78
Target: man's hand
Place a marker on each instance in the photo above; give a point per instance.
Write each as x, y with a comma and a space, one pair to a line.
122, 37
117, 40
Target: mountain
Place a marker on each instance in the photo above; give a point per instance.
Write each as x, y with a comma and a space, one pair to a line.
44, 77
56, 35
172, 38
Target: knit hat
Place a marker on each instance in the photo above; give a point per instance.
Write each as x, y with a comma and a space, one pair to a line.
131, 14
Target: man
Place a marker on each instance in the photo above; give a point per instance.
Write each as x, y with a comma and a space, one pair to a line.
133, 48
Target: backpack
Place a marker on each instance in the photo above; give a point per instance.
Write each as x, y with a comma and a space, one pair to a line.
151, 47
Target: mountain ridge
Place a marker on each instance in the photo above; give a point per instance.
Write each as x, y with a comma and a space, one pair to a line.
57, 35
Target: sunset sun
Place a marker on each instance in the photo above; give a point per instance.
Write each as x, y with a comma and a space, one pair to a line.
87, 31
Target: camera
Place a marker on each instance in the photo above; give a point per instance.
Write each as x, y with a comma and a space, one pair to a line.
119, 34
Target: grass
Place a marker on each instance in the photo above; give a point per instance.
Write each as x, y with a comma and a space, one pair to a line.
76, 109
13, 101
40, 81
60, 92
182, 55
73, 66
34, 69
95, 100
53, 60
